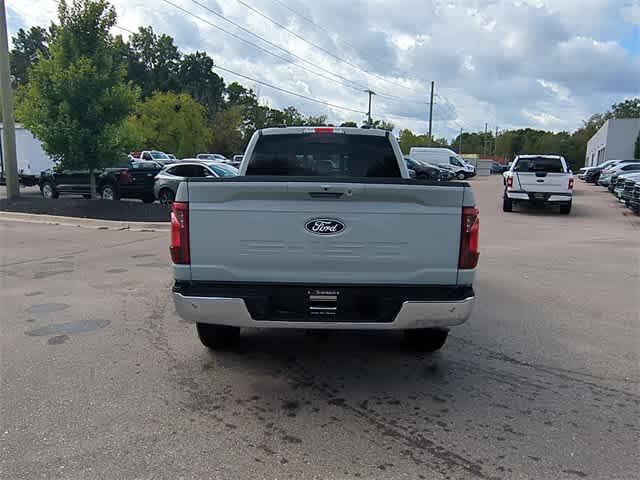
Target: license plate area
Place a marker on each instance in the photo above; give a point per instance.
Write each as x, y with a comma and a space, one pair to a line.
324, 304
539, 196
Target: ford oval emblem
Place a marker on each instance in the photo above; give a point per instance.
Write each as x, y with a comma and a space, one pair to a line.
324, 226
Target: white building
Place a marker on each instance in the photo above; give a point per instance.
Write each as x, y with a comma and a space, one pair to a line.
31, 157
615, 140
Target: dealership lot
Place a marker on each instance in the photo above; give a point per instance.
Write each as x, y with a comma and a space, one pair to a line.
101, 379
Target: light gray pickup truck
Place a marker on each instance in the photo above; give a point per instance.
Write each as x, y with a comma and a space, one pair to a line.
324, 229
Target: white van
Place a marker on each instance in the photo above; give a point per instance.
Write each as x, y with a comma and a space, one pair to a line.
444, 156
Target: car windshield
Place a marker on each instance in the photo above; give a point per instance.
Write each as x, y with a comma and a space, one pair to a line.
411, 163
159, 155
539, 164
223, 170
319, 154
145, 165
455, 161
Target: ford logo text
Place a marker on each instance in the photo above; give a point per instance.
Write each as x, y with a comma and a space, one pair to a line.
324, 226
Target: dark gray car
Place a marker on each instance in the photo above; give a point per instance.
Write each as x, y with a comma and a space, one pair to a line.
168, 180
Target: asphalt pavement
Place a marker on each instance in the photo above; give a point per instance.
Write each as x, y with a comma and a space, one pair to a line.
99, 378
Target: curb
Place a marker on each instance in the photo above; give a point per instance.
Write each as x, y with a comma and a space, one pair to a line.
85, 222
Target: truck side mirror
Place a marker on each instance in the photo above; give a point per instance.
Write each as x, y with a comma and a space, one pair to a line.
412, 173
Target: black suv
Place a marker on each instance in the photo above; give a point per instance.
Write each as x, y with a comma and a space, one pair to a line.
132, 179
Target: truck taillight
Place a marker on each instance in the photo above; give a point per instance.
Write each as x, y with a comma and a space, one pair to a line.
469, 234
570, 183
509, 182
179, 248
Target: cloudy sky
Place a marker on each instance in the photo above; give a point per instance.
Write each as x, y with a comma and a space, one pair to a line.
511, 63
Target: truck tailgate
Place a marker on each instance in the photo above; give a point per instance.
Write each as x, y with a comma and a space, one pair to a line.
262, 231
543, 182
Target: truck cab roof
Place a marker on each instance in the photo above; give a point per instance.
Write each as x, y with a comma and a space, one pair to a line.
328, 130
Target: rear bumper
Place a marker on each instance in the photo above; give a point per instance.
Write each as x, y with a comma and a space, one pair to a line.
548, 197
447, 309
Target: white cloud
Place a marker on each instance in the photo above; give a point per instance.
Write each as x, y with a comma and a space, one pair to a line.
631, 14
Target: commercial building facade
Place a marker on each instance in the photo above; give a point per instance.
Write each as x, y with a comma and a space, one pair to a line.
615, 140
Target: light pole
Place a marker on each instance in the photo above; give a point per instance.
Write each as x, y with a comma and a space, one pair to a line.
371, 93
8, 126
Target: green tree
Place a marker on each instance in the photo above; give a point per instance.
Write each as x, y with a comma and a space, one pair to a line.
27, 45
636, 150
153, 61
384, 125
288, 116
316, 121
196, 77
172, 122
629, 108
409, 139
349, 124
76, 100
228, 138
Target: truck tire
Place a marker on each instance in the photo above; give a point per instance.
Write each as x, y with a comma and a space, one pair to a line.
426, 339
217, 337
461, 176
507, 204
565, 209
166, 197
49, 191
108, 192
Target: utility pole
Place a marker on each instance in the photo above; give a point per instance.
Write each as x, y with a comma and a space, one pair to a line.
431, 111
8, 126
460, 147
371, 93
484, 143
495, 144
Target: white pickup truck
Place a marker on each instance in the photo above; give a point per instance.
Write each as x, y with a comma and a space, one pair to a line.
324, 229
538, 180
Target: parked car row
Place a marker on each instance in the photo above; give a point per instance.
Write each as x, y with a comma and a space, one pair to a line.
139, 179
129, 179
620, 177
427, 171
444, 158
168, 180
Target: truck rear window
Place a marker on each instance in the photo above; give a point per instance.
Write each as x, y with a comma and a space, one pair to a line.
324, 155
539, 164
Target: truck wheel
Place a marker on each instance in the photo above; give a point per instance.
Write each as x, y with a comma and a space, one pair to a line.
48, 191
507, 204
166, 197
108, 192
217, 337
426, 339
565, 209
461, 176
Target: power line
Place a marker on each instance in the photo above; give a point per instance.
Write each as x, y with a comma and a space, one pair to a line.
314, 23
345, 81
322, 49
248, 42
124, 29
246, 30
246, 77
